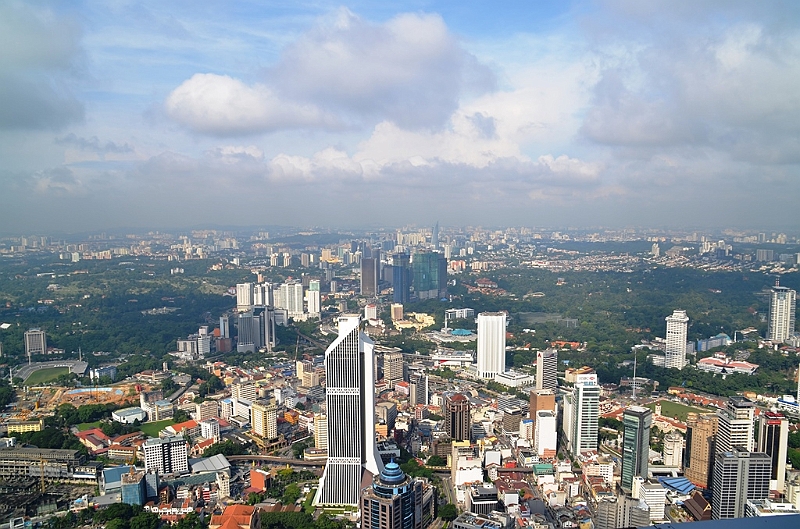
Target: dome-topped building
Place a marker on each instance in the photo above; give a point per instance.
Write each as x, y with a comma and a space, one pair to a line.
395, 501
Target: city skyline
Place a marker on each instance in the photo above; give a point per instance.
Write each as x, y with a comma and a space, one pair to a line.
576, 113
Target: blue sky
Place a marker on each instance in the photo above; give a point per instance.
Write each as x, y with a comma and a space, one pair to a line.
616, 113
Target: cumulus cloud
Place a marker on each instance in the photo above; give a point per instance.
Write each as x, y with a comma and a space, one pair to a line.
93, 144
344, 72
37, 51
222, 105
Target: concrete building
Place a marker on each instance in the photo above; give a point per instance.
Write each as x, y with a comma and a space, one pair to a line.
321, 431
673, 450
168, 455
582, 414
675, 348
394, 501
264, 418
545, 435
35, 343
392, 368
739, 475
457, 417
701, 434
491, 344
350, 399
773, 440
244, 297
781, 319
735, 425
547, 369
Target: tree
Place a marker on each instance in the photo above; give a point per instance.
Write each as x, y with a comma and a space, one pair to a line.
436, 461
180, 416
145, 520
448, 512
291, 494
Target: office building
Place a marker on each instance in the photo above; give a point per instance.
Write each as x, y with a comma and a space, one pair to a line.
418, 389
401, 278
291, 298
166, 455
547, 369
735, 425
653, 494
133, 491
264, 418
698, 460
350, 399
739, 475
541, 399
392, 368
321, 431
369, 276
773, 440
582, 414
35, 343
491, 344
675, 349
545, 434
780, 326
224, 326
430, 275
636, 423
457, 417
244, 297
248, 333
673, 450
314, 297
209, 429
395, 501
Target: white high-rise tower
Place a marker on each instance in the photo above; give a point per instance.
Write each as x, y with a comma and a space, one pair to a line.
675, 352
491, 344
782, 305
350, 399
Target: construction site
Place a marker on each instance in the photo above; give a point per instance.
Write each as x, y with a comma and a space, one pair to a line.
41, 401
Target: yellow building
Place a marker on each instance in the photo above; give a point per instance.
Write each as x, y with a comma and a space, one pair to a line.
25, 426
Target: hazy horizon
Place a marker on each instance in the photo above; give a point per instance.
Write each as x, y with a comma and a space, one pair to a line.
615, 113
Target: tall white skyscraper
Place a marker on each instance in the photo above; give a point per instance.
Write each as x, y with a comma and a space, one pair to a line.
545, 438
291, 298
675, 352
735, 425
491, 344
547, 369
781, 314
773, 440
582, 414
244, 297
350, 400
314, 297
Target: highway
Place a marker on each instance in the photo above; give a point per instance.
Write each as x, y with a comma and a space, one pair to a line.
278, 460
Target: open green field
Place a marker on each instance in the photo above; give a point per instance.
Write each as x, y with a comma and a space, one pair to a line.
45, 375
675, 410
82, 427
152, 428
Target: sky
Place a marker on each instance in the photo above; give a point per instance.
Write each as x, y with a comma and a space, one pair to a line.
151, 114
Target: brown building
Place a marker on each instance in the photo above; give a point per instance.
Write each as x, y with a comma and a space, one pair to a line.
701, 433
236, 517
457, 417
542, 399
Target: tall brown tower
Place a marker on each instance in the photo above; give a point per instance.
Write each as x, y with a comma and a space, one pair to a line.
698, 460
458, 420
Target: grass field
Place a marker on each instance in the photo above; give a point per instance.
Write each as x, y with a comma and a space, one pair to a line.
152, 428
675, 410
45, 375
82, 427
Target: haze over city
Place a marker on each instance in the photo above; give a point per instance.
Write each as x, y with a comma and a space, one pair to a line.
577, 113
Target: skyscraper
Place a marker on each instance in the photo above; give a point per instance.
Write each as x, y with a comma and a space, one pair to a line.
547, 369
675, 350
491, 344
582, 414
35, 343
350, 401
430, 275
545, 436
418, 389
314, 297
781, 314
457, 417
735, 425
401, 278
248, 333
541, 399
264, 415
773, 440
739, 475
392, 368
636, 421
394, 501
244, 297
167, 455
369, 276
701, 432
224, 326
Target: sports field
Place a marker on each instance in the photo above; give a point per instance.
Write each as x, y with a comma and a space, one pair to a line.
152, 428
45, 375
675, 410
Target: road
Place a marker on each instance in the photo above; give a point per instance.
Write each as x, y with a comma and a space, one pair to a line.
278, 460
